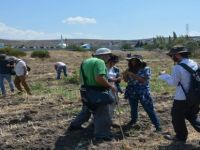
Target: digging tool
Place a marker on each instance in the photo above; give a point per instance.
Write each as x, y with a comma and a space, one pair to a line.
125, 144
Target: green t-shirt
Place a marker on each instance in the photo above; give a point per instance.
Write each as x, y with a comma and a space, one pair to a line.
93, 67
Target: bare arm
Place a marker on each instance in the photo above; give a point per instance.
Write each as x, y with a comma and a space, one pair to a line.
125, 76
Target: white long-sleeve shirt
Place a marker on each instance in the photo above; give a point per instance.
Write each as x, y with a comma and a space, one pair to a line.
179, 74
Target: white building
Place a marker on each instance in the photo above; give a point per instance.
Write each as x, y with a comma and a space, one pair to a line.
62, 44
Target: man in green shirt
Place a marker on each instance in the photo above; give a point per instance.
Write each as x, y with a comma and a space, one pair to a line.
95, 71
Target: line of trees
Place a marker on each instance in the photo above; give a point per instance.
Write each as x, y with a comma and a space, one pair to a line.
164, 43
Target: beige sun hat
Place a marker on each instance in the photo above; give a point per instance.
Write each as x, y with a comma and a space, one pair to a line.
102, 51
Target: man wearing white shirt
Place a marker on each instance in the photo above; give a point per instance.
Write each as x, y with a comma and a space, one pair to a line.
21, 75
59, 67
180, 110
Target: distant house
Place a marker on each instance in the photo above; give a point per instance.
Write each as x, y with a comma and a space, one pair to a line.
2, 45
86, 46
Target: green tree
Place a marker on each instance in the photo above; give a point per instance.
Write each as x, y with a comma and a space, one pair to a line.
174, 36
126, 46
170, 43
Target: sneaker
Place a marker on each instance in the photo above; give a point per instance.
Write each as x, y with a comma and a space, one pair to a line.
12, 92
114, 125
174, 138
73, 128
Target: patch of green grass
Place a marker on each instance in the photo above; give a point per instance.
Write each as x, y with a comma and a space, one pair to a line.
70, 95
37, 87
73, 79
41, 89
158, 86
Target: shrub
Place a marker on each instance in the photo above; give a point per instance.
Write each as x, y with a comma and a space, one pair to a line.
40, 54
74, 78
126, 46
12, 52
75, 48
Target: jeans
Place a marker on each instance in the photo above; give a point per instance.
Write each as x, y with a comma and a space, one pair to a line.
59, 70
82, 117
102, 121
147, 103
9, 79
113, 105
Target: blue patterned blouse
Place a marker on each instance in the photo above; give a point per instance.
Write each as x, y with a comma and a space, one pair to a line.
136, 87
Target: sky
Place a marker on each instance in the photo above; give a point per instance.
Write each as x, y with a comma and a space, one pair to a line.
97, 19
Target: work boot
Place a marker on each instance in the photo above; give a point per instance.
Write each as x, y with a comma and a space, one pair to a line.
106, 138
174, 138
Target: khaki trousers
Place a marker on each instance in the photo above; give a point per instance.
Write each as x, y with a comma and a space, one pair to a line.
21, 80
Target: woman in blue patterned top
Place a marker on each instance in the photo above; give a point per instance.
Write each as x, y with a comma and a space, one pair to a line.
137, 77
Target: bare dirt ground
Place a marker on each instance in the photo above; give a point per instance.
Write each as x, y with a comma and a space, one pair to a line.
40, 121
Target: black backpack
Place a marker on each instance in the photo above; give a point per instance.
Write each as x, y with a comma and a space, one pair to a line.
193, 94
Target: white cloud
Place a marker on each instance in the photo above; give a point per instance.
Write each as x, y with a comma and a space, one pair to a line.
194, 33
8, 32
79, 20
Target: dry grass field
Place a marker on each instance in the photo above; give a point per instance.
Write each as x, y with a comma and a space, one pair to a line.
40, 121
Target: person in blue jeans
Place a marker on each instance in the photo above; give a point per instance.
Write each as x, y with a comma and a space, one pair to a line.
59, 67
137, 77
5, 74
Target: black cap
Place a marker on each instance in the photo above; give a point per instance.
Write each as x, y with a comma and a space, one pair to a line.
130, 57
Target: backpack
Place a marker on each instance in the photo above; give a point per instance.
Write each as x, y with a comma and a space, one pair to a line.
193, 94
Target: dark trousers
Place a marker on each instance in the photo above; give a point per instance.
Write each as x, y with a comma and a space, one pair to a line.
102, 120
59, 70
180, 112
